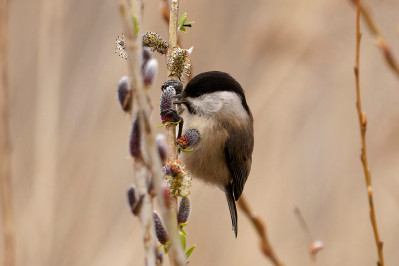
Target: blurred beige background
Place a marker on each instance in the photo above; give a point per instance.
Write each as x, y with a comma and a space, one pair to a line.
295, 60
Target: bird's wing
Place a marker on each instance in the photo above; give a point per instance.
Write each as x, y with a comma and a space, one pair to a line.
238, 154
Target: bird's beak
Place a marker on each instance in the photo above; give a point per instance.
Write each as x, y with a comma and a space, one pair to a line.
178, 96
180, 99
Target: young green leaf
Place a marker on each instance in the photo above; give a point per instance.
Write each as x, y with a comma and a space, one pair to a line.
182, 231
189, 251
165, 249
136, 26
183, 240
182, 23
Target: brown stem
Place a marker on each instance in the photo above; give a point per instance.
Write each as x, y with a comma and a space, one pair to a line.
165, 12
5, 144
260, 228
363, 127
381, 41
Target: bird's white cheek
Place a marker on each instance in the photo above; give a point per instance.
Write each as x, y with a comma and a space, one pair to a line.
201, 123
207, 104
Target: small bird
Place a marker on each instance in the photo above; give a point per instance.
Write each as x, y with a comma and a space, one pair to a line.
218, 127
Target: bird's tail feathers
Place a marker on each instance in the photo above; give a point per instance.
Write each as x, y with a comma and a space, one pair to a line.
232, 207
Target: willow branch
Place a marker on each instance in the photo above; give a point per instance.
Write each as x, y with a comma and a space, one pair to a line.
5, 146
165, 12
381, 41
260, 228
363, 127
177, 256
171, 129
130, 10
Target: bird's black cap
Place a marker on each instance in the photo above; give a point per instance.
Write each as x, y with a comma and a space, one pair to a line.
214, 81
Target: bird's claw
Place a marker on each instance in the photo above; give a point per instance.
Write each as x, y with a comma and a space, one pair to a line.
176, 84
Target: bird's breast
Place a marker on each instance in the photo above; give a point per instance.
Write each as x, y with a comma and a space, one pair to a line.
207, 161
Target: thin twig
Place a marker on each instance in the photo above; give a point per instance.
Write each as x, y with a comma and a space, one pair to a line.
5, 144
134, 48
314, 246
165, 12
303, 224
381, 41
363, 127
260, 228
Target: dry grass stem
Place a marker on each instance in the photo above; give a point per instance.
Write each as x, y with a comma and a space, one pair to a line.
381, 41
260, 228
5, 144
363, 127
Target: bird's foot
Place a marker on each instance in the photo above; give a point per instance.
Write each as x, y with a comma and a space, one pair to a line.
176, 84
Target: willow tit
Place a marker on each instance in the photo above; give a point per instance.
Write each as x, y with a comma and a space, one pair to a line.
219, 125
